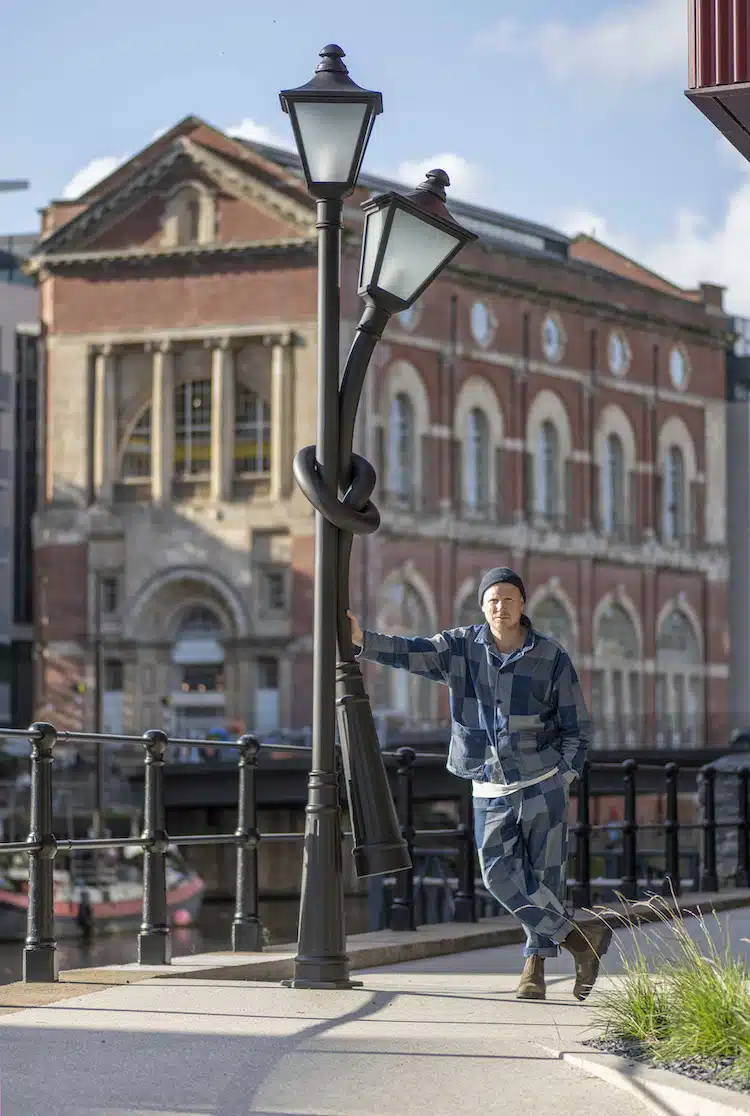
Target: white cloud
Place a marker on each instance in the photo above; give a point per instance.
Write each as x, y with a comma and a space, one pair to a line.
258, 133
692, 251
89, 175
467, 179
630, 42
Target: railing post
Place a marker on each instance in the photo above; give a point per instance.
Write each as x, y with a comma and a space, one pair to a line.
403, 913
465, 905
247, 931
709, 877
582, 830
629, 832
154, 943
672, 883
742, 876
40, 963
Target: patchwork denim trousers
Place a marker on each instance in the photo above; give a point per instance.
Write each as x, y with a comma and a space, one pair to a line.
522, 841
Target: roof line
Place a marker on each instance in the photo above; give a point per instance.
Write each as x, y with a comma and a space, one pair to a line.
290, 158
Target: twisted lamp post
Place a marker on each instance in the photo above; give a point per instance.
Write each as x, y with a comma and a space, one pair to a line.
407, 241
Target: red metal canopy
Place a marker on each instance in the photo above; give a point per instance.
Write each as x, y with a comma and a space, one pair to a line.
719, 66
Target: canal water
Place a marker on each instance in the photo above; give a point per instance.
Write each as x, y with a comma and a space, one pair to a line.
212, 931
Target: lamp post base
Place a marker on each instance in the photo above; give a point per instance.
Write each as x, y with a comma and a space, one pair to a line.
321, 961
40, 964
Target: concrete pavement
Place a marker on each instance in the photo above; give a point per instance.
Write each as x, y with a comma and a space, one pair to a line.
427, 1038
432, 1035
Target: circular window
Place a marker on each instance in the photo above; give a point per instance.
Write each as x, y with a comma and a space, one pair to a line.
678, 369
619, 353
552, 338
409, 318
481, 323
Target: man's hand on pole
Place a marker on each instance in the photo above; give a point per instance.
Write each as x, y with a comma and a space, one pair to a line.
357, 636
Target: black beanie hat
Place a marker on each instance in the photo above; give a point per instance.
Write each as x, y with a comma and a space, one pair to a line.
500, 575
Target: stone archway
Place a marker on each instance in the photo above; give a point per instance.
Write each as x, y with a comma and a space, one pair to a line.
189, 674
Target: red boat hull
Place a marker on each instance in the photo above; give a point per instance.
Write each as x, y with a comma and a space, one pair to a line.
109, 917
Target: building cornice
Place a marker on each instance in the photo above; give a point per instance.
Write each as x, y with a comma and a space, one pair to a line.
548, 294
284, 246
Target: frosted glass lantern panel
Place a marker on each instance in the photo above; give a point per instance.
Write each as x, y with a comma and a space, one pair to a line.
330, 137
373, 231
415, 251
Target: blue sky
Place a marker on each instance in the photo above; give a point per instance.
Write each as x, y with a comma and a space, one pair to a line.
572, 113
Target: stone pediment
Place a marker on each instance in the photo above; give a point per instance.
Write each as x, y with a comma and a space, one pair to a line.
129, 218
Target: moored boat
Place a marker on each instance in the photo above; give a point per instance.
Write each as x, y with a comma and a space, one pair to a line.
108, 893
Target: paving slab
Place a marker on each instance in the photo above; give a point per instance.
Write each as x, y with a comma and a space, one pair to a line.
409, 1043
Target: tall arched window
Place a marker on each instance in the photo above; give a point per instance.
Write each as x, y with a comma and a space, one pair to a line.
136, 459
469, 612
478, 461
191, 230
192, 429
401, 449
407, 698
548, 470
679, 683
252, 432
551, 618
613, 509
674, 495
616, 680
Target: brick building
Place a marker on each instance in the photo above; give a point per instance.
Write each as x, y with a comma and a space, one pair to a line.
548, 404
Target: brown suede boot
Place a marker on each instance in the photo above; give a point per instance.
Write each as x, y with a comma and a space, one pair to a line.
532, 985
588, 947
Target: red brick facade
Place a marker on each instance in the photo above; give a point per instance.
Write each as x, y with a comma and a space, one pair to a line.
144, 292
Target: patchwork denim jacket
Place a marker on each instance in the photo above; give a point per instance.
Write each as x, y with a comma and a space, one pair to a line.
510, 721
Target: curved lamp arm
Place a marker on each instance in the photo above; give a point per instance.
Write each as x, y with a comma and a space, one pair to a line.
369, 332
379, 845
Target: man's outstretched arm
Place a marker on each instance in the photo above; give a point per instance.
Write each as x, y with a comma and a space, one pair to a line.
430, 658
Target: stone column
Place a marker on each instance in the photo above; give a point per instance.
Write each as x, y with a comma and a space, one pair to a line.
105, 436
282, 415
162, 424
222, 420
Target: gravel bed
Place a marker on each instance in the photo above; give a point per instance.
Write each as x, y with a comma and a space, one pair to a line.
715, 1072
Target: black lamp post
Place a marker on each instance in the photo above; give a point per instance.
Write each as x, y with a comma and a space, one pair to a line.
407, 241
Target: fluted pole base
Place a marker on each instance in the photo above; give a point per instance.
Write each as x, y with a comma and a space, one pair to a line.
321, 960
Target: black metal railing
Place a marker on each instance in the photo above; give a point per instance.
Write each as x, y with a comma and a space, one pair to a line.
462, 892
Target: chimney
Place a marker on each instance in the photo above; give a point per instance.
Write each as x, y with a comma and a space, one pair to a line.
712, 295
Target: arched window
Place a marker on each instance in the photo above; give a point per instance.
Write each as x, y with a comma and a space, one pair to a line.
469, 612
401, 449
616, 680
136, 459
189, 216
406, 698
548, 470
192, 222
478, 461
551, 618
198, 701
674, 495
679, 683
252, 432
613, 509
192, 429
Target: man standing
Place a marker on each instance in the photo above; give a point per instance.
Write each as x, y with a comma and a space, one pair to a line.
519, 731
